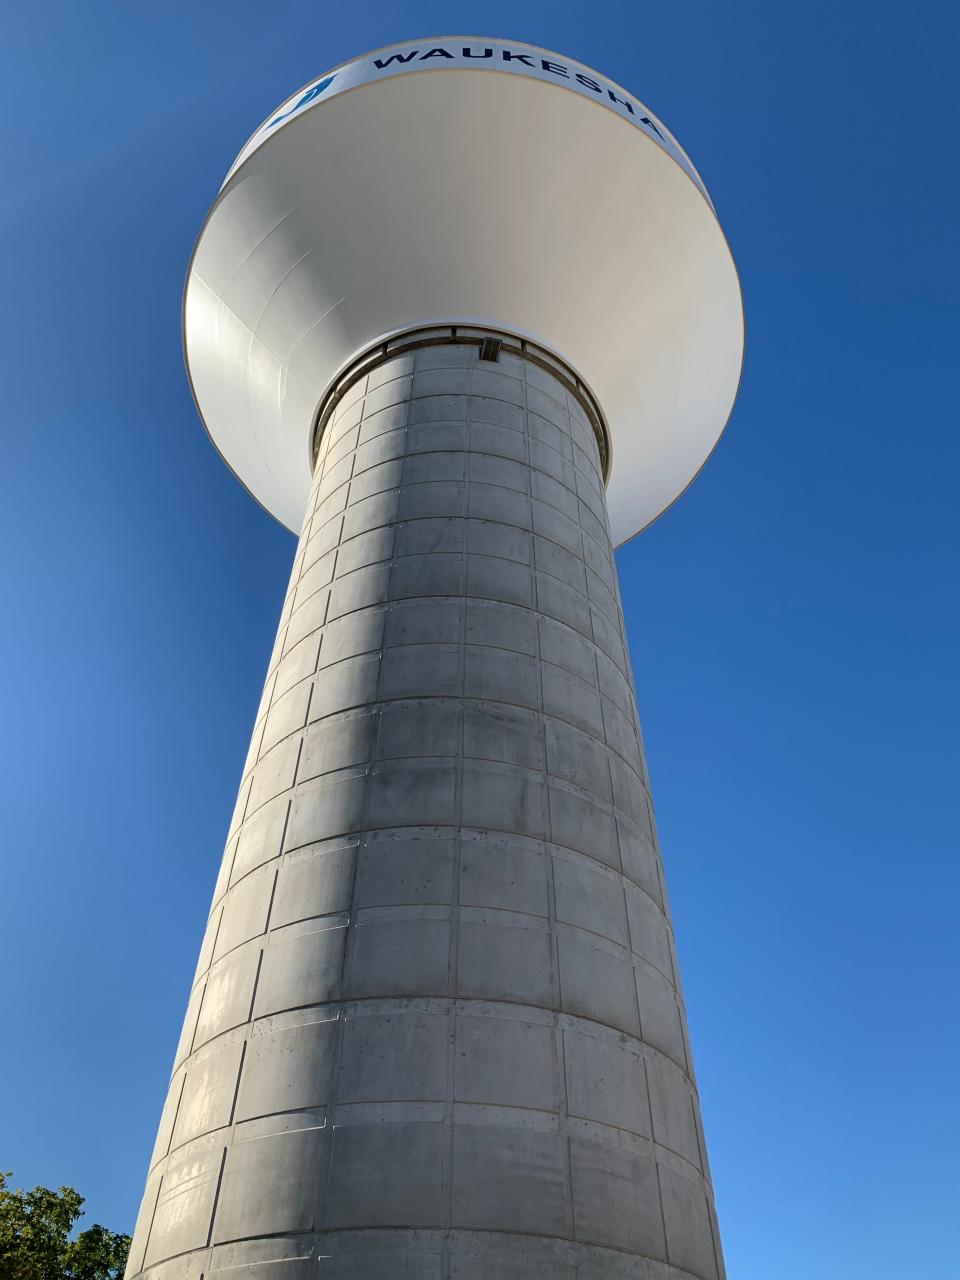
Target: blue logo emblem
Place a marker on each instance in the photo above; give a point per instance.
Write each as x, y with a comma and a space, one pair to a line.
309, 96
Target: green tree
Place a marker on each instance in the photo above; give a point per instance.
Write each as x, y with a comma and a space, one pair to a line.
35, 1242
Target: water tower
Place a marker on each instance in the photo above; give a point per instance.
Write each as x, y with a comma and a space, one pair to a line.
462, 317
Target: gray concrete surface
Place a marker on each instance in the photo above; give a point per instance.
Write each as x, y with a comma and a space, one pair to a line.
435, 1031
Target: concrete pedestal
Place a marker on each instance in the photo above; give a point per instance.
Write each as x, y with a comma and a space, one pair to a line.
435, 1031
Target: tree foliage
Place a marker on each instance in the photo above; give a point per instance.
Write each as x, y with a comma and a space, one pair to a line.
35, 1243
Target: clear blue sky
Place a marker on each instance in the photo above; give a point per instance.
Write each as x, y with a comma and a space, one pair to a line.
794, 619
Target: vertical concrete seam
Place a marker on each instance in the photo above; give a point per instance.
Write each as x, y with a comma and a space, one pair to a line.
176, 1117
216, 932
153, 1214
336, 550
256, 983
216, 1198
696, 1129
296, 768
193, 1034
663, 1214
236, 1091
267, 928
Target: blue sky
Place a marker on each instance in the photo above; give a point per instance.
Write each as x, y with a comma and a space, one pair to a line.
794, 619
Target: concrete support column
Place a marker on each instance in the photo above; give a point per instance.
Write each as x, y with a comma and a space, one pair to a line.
435, 1030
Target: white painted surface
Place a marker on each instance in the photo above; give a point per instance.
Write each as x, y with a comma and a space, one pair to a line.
473, 53
466, 195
